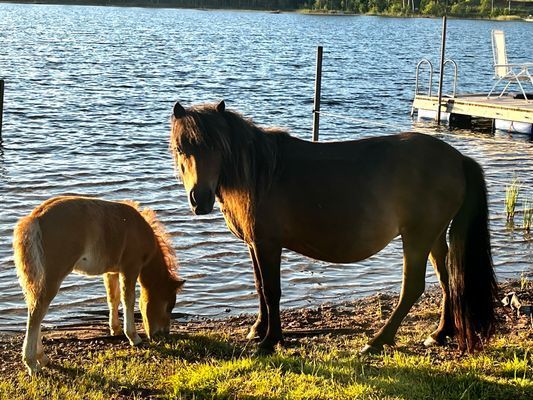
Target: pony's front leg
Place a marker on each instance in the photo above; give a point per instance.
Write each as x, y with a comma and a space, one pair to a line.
268, 256
127, 286
260, 327
111, 282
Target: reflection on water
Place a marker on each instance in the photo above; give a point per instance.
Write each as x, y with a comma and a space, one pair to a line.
89, 92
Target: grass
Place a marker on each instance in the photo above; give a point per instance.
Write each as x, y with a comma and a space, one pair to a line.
213, 367
511, 196
508, 18
525, 283
212, 360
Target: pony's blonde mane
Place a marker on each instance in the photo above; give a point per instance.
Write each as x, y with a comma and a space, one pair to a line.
162, 237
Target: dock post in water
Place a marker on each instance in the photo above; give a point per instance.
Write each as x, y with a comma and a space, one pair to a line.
441, 71
1, 105
318, 86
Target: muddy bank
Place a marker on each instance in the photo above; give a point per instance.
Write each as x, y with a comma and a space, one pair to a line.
329, 322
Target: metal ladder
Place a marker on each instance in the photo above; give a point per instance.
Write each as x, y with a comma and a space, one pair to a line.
425, 61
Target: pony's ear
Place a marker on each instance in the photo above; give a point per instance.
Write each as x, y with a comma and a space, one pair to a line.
221, 107
179, 111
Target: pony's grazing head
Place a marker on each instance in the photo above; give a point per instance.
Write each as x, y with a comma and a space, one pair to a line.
156, 307
159, 279
199, 141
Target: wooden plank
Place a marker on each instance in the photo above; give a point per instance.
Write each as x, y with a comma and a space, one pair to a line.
509, 113
498, 108
427, 103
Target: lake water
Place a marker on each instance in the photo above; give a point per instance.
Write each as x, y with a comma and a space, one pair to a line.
89, 91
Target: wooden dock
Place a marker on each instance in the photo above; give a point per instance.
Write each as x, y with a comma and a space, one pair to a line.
478, 105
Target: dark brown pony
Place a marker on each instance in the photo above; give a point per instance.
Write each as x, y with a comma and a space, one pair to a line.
343, 202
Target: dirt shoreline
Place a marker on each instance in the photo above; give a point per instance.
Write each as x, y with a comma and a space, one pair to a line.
328, 322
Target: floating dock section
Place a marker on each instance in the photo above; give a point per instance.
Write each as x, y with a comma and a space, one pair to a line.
507, 112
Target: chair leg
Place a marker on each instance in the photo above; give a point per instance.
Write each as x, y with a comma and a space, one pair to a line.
505, 88
494, 87
523, 91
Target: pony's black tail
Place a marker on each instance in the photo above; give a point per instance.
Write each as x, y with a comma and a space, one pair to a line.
472, 282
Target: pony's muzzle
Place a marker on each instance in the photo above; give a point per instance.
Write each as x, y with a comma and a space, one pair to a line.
201, 201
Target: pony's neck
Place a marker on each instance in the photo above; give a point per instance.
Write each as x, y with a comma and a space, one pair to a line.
238, 210
155, 273
247, 173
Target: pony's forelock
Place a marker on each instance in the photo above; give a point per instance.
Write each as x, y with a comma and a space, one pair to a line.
200, 126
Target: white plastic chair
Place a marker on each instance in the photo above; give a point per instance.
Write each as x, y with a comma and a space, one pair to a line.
503, 71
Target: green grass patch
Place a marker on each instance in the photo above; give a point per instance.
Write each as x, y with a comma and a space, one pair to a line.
216, 367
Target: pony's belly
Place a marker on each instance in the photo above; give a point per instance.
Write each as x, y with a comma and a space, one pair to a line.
345, 247
91, 264
336, 255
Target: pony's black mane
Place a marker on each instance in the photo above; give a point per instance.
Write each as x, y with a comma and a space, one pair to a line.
251, 154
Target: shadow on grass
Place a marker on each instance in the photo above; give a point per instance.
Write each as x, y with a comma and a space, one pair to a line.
287, 375
428, 382
99, 383
197, 347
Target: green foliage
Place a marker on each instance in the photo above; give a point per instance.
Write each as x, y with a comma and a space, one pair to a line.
485, 7
377, 6
459, 8
433, 7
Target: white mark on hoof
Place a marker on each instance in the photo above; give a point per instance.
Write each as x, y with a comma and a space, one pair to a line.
430, 342
369, 349
135, 340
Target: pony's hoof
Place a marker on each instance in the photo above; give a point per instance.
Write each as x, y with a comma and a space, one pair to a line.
369, 349
135, 340
116, 331
436, 340
34, 369
43, 360
430, 342
255, 334
264, 351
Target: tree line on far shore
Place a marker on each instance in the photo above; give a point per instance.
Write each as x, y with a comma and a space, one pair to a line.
463, 8
460, 8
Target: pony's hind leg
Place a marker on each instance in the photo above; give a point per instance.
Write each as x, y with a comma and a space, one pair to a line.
33, 352
127, 287
111, 282
446, 324
414, 269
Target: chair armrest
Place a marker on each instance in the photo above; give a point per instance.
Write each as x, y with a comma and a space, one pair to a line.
522, 65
